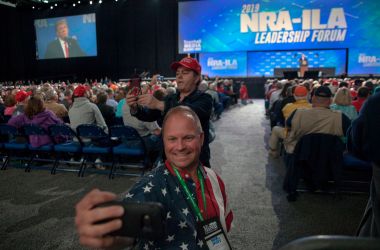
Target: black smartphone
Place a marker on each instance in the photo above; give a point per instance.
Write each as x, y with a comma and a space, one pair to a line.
135, 86
140, 220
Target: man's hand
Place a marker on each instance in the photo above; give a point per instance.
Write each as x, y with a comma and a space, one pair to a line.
150, 102
95, 235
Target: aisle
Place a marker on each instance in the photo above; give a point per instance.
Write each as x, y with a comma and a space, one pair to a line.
263, 219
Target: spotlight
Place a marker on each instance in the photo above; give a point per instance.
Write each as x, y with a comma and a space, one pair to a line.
55, 5
33, 7
115, 0
74, 4
90, 2
46, 1
78, 1
51, 7
100, 1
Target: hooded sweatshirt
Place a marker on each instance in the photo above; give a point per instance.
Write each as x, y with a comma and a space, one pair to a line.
43, 119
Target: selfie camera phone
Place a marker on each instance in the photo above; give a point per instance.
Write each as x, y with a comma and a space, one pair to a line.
140, 220
135, 86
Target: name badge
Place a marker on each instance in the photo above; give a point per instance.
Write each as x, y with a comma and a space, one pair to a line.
213, 235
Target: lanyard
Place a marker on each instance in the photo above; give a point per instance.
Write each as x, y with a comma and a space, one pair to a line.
188, 194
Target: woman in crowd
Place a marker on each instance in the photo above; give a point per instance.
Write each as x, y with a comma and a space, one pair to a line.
342, 101
363, 94
35, 113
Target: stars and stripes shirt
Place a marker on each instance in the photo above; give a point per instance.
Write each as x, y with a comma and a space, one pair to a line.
161, 185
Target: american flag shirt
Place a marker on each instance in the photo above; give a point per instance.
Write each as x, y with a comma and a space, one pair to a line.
161, 185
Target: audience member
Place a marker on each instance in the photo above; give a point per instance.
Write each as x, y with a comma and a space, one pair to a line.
343, 102
51, 103
22, 98
183, 138
35, 113
319, 119
365, 137
280, 132
108, 112
363, 93
110, 100
68, 98
83, 111
188, 72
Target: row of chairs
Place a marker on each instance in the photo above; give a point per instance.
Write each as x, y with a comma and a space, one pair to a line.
321, 162
122, 147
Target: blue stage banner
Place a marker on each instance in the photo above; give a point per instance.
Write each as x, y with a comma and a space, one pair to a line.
81, 28
231, 25
264, 63
364, 61
229, 64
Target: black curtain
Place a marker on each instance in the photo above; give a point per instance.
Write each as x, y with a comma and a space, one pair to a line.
131, 36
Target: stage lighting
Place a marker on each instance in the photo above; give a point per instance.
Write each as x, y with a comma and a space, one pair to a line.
79, 2
51, 7
33, 7
90, 2
100, 1
55, 5
74, 4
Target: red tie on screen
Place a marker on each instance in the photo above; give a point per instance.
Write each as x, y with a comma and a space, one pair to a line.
66, 50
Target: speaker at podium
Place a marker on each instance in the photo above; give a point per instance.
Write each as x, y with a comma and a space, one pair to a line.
290, 74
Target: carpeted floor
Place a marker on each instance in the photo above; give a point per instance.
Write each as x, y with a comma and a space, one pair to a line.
37, 209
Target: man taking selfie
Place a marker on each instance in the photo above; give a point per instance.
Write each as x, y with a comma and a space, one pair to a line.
188, 76
193, 196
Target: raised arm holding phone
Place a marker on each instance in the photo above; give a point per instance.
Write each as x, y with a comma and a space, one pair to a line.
188, 74
193, 196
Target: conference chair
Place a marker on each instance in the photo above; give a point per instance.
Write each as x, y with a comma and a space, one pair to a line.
14, 146
132, 150
96, 144
67, 145
333, 242
37, 153
318, 160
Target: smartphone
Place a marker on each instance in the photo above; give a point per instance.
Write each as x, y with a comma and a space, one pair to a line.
135, 86
145, 220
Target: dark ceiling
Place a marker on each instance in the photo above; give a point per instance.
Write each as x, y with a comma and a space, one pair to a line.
45, 4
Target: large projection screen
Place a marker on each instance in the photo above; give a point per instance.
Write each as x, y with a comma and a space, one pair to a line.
235, 25
226, 64
66, 37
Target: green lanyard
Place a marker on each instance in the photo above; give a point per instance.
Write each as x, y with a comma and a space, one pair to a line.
188, 194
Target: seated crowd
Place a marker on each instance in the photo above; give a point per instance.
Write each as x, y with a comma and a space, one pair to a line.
301, 107
105, 104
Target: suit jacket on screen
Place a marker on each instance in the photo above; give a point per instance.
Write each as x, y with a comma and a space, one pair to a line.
54, 49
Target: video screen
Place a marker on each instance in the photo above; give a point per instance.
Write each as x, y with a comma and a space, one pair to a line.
265, 63
364, 61
226, 64
66, 37
235, 25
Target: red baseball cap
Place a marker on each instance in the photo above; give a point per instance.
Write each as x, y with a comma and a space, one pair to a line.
22, 95
300, 91
187, 62
79, 91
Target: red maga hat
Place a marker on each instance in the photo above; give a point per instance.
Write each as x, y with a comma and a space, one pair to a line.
187, 62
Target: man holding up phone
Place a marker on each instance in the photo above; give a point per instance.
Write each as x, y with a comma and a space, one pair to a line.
188, 76
193, 196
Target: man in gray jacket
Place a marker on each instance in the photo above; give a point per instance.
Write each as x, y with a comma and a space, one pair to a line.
83, 111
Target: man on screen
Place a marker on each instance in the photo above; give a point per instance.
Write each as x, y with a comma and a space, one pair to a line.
64, 46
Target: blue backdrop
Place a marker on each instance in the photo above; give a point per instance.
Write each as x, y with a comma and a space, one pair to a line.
231, 25
264, 63
224, 64
81, 27
364, 61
